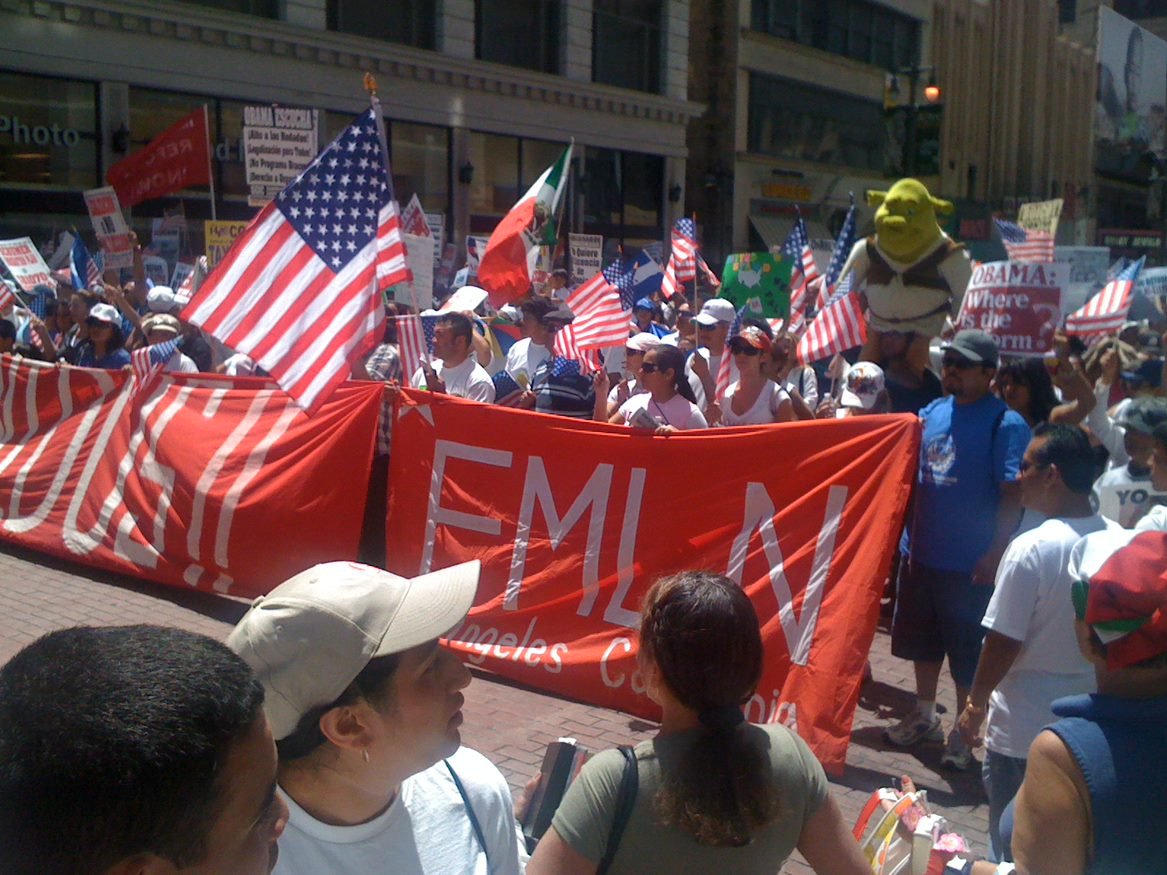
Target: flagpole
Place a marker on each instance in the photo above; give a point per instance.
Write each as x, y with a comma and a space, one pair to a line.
210, 162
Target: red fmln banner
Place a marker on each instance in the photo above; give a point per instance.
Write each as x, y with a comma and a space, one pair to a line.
573, 521
177, 158
201, 482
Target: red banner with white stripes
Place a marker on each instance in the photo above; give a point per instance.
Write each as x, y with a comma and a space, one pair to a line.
199, 482
574, 520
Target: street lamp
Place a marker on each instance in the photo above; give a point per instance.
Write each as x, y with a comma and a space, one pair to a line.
932, 95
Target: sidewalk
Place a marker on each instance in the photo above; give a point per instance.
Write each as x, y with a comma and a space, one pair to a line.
510, 725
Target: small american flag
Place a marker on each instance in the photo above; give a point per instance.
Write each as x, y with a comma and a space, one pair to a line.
839, 255
805, 273
682, 266
149, 361
415, 339
299, 290
1023, 245
563, 367
84, 269
599, 314
506, 390
724, 369
567, 347
7, 296
840, 326
1107, 310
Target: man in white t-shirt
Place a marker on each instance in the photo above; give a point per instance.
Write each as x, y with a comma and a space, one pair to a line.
1030, 654
525, 356
1155, 519
713, 324
365, 706
1125, 493
455, 372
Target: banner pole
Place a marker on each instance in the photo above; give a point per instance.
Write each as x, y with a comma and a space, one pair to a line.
210, 162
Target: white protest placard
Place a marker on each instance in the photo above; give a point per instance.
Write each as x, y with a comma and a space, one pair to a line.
181, 271
437, 225
1041, 216
157, 270
1087, 265
587, 256
466, 298
1019, 304
110, 225
24, 262
62, 251
278, 143
475, 246
419, 255
413, 219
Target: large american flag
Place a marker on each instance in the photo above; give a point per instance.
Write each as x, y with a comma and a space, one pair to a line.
148, 362
838, 327
415, 341
600, 320
804, 274
682, 266
1023, 245
299, 291
1107, 310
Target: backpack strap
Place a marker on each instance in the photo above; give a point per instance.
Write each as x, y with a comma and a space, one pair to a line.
625, 800
469, 812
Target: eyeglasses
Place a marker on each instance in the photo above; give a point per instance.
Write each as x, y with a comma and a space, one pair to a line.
744, 349
958, 362
649, 367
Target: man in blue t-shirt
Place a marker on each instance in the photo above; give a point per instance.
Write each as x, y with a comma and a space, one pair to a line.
967, 506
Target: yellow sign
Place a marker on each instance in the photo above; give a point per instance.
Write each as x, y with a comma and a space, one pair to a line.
219, 237
786, 191
1041, 216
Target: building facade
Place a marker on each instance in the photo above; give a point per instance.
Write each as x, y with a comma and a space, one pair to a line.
480, 96
811, 100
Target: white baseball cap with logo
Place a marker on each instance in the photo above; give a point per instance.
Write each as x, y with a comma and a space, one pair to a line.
716, 310
310, 637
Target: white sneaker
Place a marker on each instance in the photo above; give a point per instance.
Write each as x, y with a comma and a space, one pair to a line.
957, 755
913, 729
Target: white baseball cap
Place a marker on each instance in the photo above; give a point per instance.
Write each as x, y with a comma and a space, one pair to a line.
716, 310
310, 637
862, 386
161, 299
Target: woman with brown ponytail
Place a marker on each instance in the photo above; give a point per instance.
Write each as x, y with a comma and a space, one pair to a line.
715, 793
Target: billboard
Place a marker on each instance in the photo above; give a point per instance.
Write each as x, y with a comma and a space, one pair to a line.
1129, 112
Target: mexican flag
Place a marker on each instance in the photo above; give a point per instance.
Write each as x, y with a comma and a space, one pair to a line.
509, 260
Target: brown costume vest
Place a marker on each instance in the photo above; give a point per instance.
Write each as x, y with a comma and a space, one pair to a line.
923, 274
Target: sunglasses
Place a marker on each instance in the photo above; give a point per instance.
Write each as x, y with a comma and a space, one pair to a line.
744, 349
958, 362
649, 368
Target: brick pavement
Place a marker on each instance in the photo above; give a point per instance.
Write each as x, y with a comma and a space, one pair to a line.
509, 724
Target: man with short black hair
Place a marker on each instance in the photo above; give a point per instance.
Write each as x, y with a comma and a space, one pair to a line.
135, 749
967, 506
525, 356
455, 372
1030, 656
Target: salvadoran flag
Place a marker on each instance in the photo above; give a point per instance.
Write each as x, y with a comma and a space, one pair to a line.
508, 264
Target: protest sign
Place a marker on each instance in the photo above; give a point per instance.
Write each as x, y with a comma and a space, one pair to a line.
1018, 303
466, 298
182, 271
178, 158
586, 256
24, 262
182, 484
278, 143
758, 275
1041, 216
157, 270
419, 255
567, 521
219, 237
475, 246
62, 250
110, 226
1087, 273
437, 223
413, 220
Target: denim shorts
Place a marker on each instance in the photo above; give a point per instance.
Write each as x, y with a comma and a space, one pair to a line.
938, 613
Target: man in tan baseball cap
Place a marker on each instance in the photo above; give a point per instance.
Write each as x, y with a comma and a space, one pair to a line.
365, 707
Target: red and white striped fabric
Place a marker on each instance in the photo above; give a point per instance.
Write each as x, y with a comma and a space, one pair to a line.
7, 297
415, 338
839, 327
1107, 310
723, 374
567, 346
804, 286
682, 266
600, 320
299, 291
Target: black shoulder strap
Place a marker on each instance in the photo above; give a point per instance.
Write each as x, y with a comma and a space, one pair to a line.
625, 800
469, 812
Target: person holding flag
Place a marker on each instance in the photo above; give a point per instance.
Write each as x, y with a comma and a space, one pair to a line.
710, 370
666, 406
754, 399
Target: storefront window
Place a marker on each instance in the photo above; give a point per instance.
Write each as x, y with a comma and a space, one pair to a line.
495, 186
152, 112
622, 194
47, 132
538, 155
420, 157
